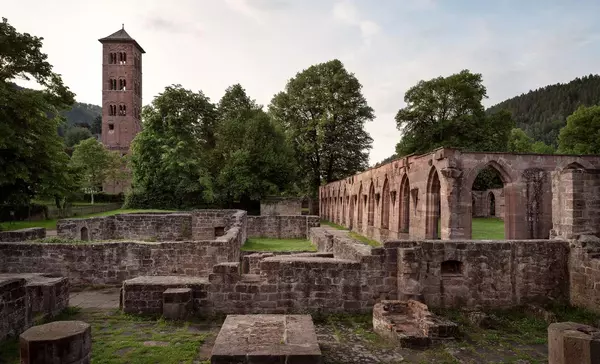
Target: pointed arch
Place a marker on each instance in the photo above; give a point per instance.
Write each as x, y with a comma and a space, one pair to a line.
432, 212
359, 219
492, 204
404, 196
385, 205
371, 205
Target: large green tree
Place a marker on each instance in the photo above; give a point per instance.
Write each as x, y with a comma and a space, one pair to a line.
76, 134
172, 155
323, 113
32, 156
95, 165
448, 112
581, 135
255, 160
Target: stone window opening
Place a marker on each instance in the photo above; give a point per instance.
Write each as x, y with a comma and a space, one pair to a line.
452, 268
219, 231
111, 128
112, 59
492, 201
84, 234
112, 84
122, 85
112, 110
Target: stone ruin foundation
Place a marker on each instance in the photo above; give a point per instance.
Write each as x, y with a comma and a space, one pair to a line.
64, 342
249, 339
411, 324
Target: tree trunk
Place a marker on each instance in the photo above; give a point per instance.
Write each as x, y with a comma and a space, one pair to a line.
92, 194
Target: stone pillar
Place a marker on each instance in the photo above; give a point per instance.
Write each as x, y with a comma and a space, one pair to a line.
65, 342
570, 343
454, 211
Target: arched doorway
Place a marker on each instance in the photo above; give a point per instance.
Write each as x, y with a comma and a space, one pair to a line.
84, 234
359, 201
404, 215
492, 204
371, 206
485, 223
385, 205
351, 212
433, 211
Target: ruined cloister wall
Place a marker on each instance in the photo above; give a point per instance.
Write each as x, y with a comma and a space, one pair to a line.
281, 227
484, 205
281, 206
23, 234
406, 197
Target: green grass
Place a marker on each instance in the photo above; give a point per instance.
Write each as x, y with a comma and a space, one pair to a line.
487, 228
363, 239
51, 223
331, 224
119, 338
274, 245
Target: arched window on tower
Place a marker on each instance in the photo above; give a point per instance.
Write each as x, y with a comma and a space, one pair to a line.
124, 110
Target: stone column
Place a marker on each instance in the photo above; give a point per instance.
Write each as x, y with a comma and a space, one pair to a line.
454, 213
65, 342
570, 343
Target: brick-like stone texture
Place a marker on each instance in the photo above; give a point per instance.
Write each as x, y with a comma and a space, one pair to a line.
584, 273
15, 315
280, 206
570, 342
267, 339
281, 227
68, 342
484, 273
488, 203
23, 234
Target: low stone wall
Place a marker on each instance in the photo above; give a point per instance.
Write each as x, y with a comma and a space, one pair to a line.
281, 206
584, 273
180, 226
281, 227
23, 234
483, 273
15, 317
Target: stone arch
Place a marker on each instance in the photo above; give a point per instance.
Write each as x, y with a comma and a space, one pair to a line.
84, 234
433, 208
577, 163
404, 205
351, 212
371, 205
359, 220
385, 205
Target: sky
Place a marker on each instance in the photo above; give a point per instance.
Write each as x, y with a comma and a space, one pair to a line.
389, 45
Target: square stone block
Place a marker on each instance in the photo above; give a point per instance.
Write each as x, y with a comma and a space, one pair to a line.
570, 343
250, 339
177, 303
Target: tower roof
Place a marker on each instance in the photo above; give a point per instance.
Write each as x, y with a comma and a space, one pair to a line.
121, 36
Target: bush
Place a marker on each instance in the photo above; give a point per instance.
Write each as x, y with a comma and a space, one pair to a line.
105, 197
22, 212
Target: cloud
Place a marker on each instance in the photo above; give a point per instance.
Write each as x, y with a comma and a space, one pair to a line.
346, 12
162, 24
257, 9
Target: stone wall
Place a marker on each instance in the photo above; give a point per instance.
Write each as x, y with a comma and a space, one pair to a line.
15, 317
23, 234
281, 206
488, 203
486, 273
584, 273
281, 227
194, 225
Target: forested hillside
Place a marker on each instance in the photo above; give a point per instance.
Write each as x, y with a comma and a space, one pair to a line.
82, 114
543, 112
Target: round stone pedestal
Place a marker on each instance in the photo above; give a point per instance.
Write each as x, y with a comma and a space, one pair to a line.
64, 342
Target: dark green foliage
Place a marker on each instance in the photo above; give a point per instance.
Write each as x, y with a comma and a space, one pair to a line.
172, 156
104, 197
76, 134
33, 160
96, 127
488, 178
82, 113
254, 158
582, 133
22, 212
448, 112
322, 112
543, 112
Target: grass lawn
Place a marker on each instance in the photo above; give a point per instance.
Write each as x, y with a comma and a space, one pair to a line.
487, 228
278, 245
51, 224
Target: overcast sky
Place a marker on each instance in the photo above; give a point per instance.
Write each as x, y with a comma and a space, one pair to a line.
389, 45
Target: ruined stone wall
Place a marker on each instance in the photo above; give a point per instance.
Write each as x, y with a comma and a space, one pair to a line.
281, 206
484, 205
281, 227
487, 273
23, 234
411, 195
584, 273
194, 225
15, 317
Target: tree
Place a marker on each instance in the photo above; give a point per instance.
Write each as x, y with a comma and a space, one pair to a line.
323, 112
75, 135
581, 135
255, 158
33, 156
448, 112
519, 141
97, 125
172, 156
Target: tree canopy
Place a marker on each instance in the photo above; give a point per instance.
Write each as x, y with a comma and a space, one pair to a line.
581, 135
33, 157
448, 112
76, 134
323, 112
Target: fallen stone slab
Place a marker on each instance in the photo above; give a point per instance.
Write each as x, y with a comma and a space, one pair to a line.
249, 339
570, 343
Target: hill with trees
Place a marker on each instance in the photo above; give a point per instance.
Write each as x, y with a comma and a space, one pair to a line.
82, 113
543, 112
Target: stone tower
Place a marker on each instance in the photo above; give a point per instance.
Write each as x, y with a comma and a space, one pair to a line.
121, 94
